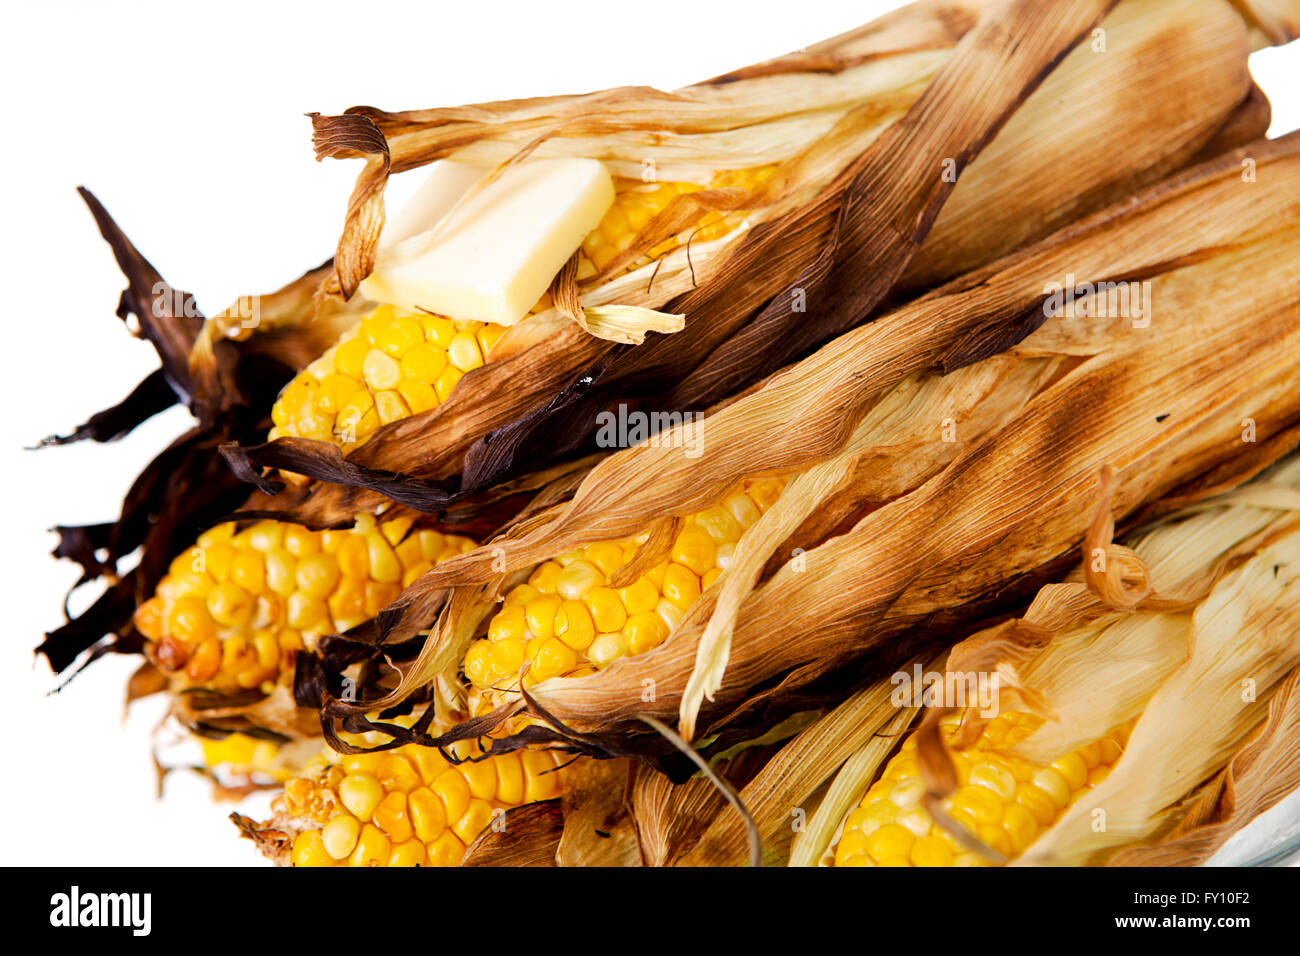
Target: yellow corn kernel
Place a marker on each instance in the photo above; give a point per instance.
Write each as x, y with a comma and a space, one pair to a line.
607, 610
545, 577
428, 814
391, 817
452, 787
395, 772
607, 648
575, 581
541, 781
476, 819
309, 850
510, 623
361, 793
573, 625
553, 658
340, 836
510, 780
447, 381
410, 853
373, 848
639, 596
1003, 801
447, 850
694, 549
190, 621
644, 632
384, 566
540, 614
681, 586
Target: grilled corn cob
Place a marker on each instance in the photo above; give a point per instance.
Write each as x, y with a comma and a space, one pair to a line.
403, 807
566, 622
1003, 801
233, 611
394, 364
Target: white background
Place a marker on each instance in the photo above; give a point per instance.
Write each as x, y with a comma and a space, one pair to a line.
188, 125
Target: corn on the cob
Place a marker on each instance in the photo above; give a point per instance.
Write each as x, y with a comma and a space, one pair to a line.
394, 364
403, 807
233, 611
1003, 801
391, 366
566, 622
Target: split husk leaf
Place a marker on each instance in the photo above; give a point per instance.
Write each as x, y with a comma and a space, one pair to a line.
1084, 662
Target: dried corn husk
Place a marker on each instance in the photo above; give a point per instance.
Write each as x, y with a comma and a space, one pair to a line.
1101, 666
802, 416
186, 486
866, 724
1201, 90
1243, 643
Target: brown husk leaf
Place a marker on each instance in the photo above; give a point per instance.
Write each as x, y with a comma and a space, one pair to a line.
1214, 50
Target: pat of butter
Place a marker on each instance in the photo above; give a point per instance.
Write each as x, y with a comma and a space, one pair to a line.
446, 182
496, 254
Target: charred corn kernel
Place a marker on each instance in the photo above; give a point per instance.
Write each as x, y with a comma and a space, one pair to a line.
569, 621
205, 661
1003, 801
